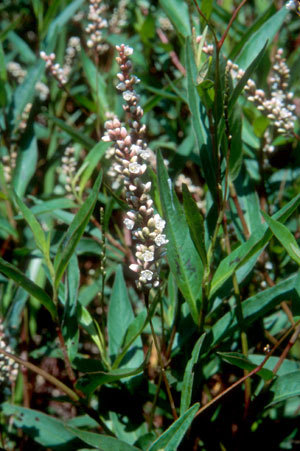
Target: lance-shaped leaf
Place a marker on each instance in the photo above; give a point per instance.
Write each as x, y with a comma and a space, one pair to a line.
38, 233
75, 232
188, 378
285, 387
17, 276
90, 382
183, 258
285, 237
171, 438
244, 363
195, 222
100, 441
255, 244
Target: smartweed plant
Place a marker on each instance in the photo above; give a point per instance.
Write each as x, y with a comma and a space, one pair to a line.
149, 253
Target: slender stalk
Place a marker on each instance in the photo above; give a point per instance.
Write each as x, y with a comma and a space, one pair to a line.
252, 373
235, 13
63, 348
160, 359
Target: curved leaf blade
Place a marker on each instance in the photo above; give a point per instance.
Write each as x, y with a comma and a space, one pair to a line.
17, 276
171, 438
183, 258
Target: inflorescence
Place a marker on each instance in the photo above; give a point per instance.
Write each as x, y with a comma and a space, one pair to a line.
279, 107
131, 154
8, 367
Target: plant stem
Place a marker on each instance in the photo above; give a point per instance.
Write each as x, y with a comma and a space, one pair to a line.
160, 359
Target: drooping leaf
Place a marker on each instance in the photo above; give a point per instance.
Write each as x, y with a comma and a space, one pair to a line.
74, 133
17, 276
285, 237
243, 362
26, 162
75, 231
257, 241
38, 233
183, 258
100, 441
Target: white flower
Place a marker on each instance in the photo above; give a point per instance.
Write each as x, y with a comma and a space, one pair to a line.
148, 256
135, 168
159, 222
129, 224
128, 95
160, 240
146, 275
128, 50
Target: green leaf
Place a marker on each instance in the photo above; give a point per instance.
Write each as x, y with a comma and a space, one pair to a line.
183, 258
76, 135
120, 316
285, 387
243, 362
177, 12
71, 330
188, 378
258, 40
91, 161
45, 430
195, 222
242, 82
285, 237
60, 21
90, 382
254, 308
200, 121
24, 93
75, 232
38, 233
255, 244
26, 163
100, 441
25, 52
171, 438
17, 276
89, 325
7, 228
96, 82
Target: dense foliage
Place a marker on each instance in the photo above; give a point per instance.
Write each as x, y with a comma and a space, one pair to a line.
149, 188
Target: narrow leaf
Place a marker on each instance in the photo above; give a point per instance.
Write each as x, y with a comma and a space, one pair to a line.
188, 378
285, 237
75, 231
76, 135
101, 441
38, 233
255, 244
239, 360
171, 438
17, 276
195, 222
183, 258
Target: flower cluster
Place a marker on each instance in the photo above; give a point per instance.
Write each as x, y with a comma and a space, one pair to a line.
96, 25
119, 17
208, 49
18, 73
25, 116
73, 47
293, 5
279, 107
55, 69
9, 163
69, 167
8, 367
131, 154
